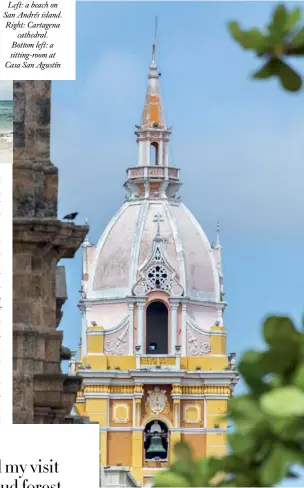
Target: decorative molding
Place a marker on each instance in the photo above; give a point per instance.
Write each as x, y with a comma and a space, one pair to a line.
124, 322
115, 389
157, 402
117, 410
159, 418
194, 408
194, 326
96, 389
119, 346
196, 347
157, 361
176, 389
178, 245
156, 273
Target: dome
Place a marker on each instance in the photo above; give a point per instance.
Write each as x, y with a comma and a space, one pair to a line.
126, 243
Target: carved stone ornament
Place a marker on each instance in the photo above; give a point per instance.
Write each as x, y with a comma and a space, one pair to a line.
157, 402
157, 273
119, 345
197, 347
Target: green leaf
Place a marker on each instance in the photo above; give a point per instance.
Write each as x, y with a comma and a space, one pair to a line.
285, 428
241, 444
252, 39
298, 39
280, 17
169, 479
245, 413
269, 69
275, 466
183, 452
283, 402
277, 329
204, 469
290, 80
233, 464
294, 16
278, 360
298, 379
235, 30
250, 367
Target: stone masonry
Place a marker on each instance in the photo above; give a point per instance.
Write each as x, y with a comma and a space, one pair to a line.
41, 393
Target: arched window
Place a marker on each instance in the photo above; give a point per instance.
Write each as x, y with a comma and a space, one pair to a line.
154, 153
156, 441
157, 328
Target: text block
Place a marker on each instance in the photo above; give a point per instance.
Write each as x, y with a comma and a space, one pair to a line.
50, 456
37, 40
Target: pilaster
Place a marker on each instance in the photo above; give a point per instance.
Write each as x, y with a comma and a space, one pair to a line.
140, 324
131, 328
173, 309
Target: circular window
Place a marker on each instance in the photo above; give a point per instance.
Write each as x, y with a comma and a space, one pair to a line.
157, 276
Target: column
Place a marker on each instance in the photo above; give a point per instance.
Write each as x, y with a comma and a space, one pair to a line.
205, 414
131, 329
173, 309
72, 364
184, 329
219, 317
166, 155
148, 149
141, 153
176, 407
160, 153
140, 324
84, 338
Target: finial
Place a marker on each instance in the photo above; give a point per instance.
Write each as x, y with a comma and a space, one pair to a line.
158, 219
154, 43
86, 242
218, 235
153, 67
153, 54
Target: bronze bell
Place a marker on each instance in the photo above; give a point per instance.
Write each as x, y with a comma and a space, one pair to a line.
156, 446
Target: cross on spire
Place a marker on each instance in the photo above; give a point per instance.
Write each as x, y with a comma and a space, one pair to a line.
158, 218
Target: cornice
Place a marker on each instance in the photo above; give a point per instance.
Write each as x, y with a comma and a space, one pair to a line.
185, 430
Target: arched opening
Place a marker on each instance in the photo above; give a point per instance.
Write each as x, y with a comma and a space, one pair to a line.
156, 441
154, 153
157, 328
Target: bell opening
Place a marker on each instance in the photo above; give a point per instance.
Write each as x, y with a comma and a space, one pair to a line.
156, 441
157, 328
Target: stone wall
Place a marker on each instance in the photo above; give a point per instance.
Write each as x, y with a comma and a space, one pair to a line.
41, 393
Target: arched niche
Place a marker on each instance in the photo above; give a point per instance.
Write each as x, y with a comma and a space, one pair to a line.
154, 155
157, 325
156, 441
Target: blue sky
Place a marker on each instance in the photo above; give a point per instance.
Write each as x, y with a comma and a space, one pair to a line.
238, 142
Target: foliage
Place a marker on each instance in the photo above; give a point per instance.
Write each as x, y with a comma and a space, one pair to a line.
283, 37
268, 436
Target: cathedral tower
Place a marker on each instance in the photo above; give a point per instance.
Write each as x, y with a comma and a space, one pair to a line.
153, 347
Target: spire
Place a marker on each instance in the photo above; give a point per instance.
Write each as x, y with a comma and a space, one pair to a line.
153, 116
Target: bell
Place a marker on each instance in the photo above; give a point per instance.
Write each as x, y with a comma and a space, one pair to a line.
156, 447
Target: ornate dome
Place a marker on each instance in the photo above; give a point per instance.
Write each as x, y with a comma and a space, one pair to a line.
125, 248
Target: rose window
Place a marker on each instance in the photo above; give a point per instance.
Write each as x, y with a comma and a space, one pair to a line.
157, 276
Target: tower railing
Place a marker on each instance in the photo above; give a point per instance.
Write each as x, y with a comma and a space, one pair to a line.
158, 172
